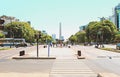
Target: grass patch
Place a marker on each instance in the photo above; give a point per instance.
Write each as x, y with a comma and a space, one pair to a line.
108, 49
111, 49
4, 48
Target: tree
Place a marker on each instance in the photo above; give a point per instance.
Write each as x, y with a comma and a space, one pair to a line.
20, 30
103, 31
81, 36
2, 35
73, 39
91, 31
117, 38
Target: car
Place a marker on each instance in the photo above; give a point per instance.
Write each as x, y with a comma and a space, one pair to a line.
118, 46
21, 45
86, 43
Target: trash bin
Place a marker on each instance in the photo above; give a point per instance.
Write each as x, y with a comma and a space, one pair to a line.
79, 53
22, 53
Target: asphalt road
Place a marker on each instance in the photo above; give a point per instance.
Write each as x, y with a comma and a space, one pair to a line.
8, 54
100, 60
66, 64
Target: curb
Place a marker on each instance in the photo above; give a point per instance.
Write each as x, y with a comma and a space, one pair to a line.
33, 57
80, 57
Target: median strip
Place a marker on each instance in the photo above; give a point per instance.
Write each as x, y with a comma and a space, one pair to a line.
34, 58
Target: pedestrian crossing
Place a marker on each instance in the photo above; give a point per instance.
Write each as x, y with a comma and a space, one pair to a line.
71, 68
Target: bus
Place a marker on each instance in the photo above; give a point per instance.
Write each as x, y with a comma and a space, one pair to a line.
12, 42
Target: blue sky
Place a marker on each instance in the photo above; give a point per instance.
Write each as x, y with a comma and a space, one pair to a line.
46, 14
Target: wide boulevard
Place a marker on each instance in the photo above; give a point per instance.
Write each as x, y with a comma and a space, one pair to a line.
66, 63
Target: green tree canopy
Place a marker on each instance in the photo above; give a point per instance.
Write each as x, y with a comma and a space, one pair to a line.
73, 39
81, 36
103, 29
2, 35
117, 38
20, 30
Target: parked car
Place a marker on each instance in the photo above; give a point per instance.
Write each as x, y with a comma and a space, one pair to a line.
118, 46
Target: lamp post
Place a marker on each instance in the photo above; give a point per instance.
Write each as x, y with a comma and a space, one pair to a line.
37, 49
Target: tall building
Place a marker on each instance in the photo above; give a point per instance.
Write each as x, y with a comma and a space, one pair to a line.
117, 16
112, 19
60, 32
54, 36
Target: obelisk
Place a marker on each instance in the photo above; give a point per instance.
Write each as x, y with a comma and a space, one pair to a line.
60, 31
60, 34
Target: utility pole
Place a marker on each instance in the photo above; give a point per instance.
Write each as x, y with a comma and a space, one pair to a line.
37, 36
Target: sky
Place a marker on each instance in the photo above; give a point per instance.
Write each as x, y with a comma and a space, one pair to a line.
47, 14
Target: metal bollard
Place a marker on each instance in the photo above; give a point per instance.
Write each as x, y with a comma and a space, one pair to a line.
68, 46
22, 53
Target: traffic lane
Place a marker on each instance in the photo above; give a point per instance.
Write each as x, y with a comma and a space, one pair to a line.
104, 65
94, 53
25, 66
6, 54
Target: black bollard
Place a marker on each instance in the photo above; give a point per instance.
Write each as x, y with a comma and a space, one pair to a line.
68, 46
22, 53
79, 53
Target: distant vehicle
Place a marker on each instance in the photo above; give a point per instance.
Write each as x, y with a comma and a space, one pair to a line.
21, 45
86, 43
12, 41
118, 46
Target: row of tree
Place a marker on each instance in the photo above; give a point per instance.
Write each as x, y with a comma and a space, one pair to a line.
19, 29
100, 31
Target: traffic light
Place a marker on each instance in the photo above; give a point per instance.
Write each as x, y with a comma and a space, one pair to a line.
39, 35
